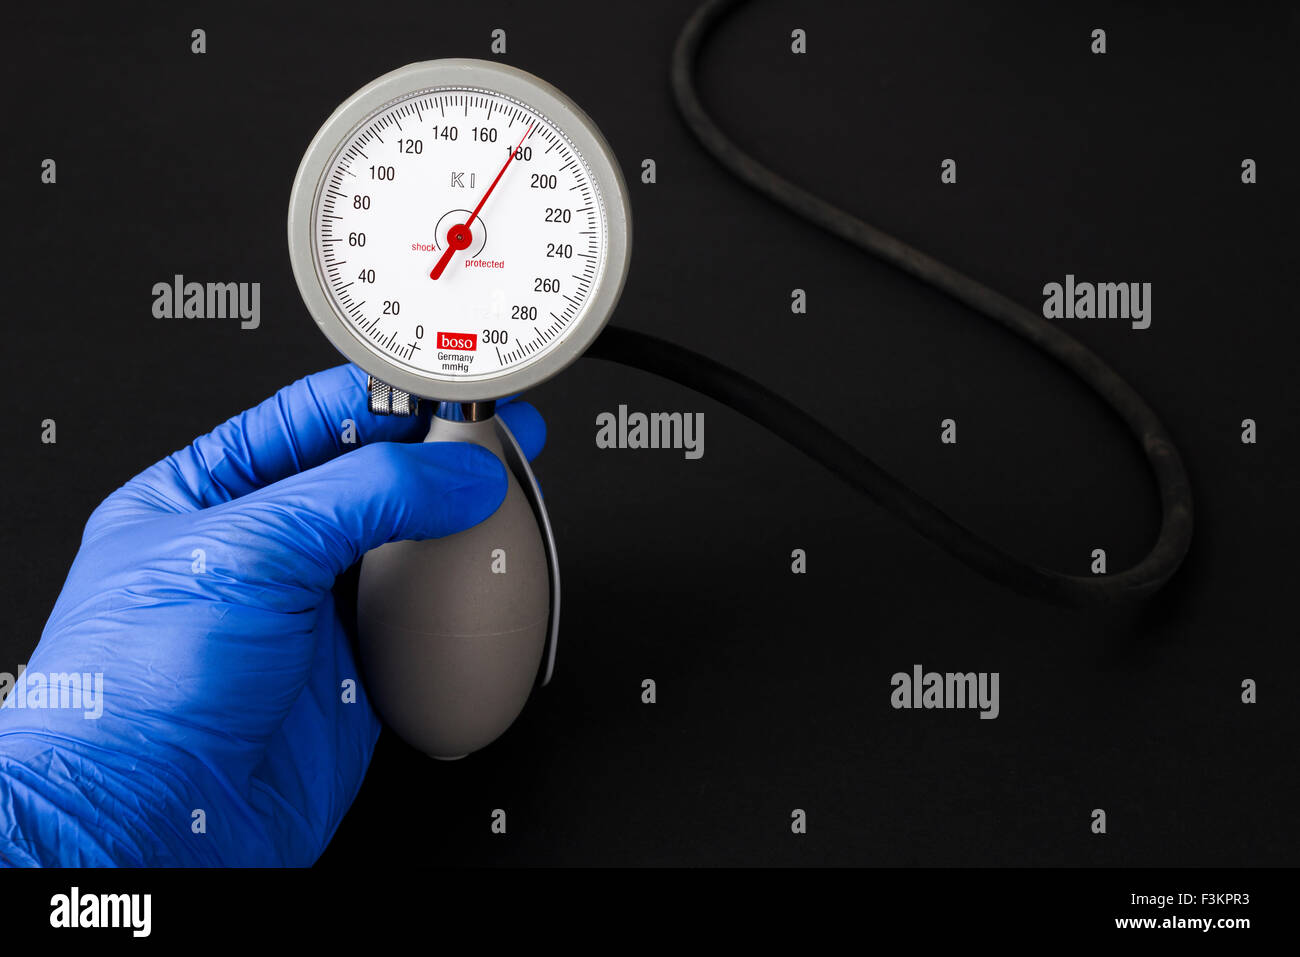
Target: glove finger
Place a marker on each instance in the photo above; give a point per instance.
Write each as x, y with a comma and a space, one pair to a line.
527, 426
287, 543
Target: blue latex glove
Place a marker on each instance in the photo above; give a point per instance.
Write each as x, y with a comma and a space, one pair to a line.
223, 685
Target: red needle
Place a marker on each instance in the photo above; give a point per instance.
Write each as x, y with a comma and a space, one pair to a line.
459, 236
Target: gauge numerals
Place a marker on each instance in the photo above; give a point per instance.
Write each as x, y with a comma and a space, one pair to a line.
459, 233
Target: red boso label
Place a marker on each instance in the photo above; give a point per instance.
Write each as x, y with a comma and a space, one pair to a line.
464, 341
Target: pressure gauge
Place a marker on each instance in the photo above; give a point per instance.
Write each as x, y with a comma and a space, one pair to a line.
460, 230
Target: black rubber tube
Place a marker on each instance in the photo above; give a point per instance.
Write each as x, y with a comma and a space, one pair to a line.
807, 434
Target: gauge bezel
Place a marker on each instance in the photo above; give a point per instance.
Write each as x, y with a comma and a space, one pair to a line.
536, 95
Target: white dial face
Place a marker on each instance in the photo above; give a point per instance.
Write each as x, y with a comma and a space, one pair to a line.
459, 234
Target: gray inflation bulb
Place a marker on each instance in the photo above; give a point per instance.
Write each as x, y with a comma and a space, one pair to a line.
453, 631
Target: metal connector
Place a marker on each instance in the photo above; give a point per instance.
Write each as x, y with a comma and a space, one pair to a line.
385, 400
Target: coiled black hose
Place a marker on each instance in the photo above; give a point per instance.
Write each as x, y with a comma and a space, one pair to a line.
806, 433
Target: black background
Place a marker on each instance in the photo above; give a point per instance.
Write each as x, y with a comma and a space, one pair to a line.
773, 688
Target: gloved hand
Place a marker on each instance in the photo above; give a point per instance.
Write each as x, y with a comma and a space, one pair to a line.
201, 594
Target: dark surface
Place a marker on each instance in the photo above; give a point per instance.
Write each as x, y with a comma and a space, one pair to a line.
773, 688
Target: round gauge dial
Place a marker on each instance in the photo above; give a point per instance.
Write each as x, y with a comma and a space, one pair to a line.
464, 238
